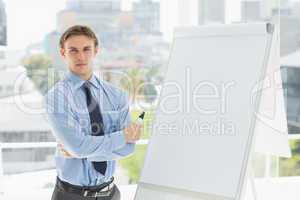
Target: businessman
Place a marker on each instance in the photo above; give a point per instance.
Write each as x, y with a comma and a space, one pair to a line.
91, 122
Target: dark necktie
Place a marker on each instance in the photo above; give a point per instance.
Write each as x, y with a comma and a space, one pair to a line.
96, 122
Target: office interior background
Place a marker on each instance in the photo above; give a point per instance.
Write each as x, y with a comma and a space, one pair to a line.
136, 36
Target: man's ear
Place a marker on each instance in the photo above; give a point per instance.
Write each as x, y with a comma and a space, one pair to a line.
62, 52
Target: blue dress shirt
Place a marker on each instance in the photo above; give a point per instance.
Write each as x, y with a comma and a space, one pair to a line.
68, 116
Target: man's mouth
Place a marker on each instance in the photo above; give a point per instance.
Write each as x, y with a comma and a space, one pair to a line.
80, 64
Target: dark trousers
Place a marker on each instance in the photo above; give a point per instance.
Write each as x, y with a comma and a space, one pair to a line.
60, 194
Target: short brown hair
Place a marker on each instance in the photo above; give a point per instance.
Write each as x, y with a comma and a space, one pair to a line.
78, 30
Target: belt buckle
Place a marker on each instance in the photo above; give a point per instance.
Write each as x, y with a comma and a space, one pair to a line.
107, 191
97, 194
102, 194
94, 194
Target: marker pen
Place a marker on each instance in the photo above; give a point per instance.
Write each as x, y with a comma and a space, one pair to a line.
140, 118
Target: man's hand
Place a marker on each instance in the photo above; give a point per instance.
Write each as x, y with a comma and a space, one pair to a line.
64, 152
133, 132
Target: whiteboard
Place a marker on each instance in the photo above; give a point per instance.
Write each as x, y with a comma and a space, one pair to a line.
204, 123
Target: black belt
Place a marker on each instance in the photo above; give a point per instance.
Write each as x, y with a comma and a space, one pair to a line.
103, 190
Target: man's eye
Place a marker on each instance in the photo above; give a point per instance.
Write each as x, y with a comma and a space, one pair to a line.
73, 51
87, 49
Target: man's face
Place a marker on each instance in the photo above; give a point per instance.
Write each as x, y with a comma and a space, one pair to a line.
79, 52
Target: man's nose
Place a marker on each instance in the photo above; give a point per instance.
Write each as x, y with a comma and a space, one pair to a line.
80, 55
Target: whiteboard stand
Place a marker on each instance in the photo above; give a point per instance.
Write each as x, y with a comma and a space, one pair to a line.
250, 191
273, 129
254, 191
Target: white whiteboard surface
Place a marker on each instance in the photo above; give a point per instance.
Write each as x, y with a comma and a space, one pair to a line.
210, 161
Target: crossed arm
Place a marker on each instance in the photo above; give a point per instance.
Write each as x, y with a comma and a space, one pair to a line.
74, 142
